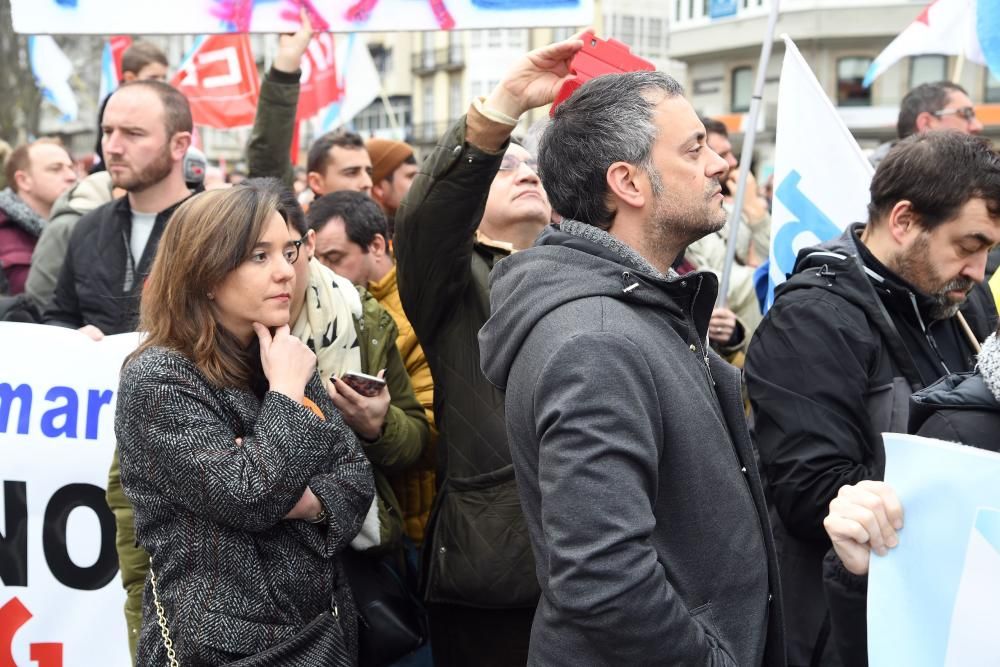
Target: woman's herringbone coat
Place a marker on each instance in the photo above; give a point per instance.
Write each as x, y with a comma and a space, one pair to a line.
233, 576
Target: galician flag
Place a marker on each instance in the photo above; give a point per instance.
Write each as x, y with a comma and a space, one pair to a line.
359, 81
821, 177
947, 27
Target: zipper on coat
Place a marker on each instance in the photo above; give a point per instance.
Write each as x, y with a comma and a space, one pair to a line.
703, 344
928, 335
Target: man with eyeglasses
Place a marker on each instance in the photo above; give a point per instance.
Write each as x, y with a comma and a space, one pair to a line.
476, 200
932, 106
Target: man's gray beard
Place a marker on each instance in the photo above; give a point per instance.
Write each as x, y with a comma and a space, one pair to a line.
944, 307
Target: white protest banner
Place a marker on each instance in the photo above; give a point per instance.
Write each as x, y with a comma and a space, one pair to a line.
821, 177
935, 599
217, 16
61, 597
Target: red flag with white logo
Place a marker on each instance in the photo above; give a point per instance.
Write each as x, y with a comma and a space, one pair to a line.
318, 85
219, 79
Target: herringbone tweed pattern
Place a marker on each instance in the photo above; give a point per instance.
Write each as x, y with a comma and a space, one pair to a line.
234, 578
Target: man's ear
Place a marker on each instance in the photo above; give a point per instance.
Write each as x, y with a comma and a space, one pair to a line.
378, 246
624, 183
179, 143
925, 121
128, 76
22, 180
903, 222
316, 182
377, 191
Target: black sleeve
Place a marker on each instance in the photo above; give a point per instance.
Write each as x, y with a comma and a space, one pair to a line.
807, 376
435, 226
847, 596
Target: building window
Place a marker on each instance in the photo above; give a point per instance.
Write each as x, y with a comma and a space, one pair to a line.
428, 101
628, 30
677, 10
561, 34
850, 74
427, 51
517, 39
741, 89
494, 38
927, 69
654, 38
992, 92
382, 57
455, 106
475, 39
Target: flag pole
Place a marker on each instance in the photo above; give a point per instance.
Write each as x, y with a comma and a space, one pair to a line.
746, 156
956, 75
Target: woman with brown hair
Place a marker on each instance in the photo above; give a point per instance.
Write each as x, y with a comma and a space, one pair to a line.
245, 481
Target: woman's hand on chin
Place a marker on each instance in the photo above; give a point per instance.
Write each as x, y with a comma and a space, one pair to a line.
288, 363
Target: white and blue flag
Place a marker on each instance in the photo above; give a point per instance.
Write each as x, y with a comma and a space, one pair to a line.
52, 70
821, 177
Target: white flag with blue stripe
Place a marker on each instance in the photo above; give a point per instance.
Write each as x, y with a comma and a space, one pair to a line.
821, 177
52, 70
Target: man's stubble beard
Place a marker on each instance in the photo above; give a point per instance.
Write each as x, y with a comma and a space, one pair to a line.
148, 176
669, 227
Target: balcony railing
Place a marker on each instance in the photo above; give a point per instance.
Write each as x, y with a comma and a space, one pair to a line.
431, 60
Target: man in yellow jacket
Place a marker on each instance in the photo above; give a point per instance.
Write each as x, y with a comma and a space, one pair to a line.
352, 239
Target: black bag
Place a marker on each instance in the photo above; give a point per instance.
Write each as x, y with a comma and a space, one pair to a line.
392, 623
321, 643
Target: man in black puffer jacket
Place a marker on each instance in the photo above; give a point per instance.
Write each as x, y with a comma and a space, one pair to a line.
962, 407
863, 322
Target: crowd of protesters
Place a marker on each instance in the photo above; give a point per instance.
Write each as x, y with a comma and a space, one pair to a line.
483, 409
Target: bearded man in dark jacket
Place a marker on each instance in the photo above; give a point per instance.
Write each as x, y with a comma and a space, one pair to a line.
635, 469
863, 322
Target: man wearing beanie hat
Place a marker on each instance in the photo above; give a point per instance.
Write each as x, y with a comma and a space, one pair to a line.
393, 168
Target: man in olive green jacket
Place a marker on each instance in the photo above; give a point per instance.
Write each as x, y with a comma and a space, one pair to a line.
476, 199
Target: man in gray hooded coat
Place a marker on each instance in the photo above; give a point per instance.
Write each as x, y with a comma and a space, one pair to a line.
635, 469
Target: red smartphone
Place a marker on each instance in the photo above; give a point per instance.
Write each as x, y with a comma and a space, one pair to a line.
366, 385
599, 56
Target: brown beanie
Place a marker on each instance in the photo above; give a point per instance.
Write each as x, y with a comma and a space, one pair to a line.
386, 156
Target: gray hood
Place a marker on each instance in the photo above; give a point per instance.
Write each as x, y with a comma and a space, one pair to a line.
564, 267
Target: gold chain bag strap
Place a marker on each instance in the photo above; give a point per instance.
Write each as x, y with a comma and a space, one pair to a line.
161, 619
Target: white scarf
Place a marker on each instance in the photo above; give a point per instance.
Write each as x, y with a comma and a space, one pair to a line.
326, 323
989, 364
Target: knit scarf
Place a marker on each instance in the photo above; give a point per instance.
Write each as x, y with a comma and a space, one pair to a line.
602, 238
326, 323
989, 364
20, 214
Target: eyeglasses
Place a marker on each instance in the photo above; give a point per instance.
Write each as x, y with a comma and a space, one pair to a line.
967, 113
291, 251
512, 162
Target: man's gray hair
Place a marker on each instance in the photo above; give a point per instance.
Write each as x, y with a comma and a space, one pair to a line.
608, 119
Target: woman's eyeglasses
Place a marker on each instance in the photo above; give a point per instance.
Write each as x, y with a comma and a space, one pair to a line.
291, 251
